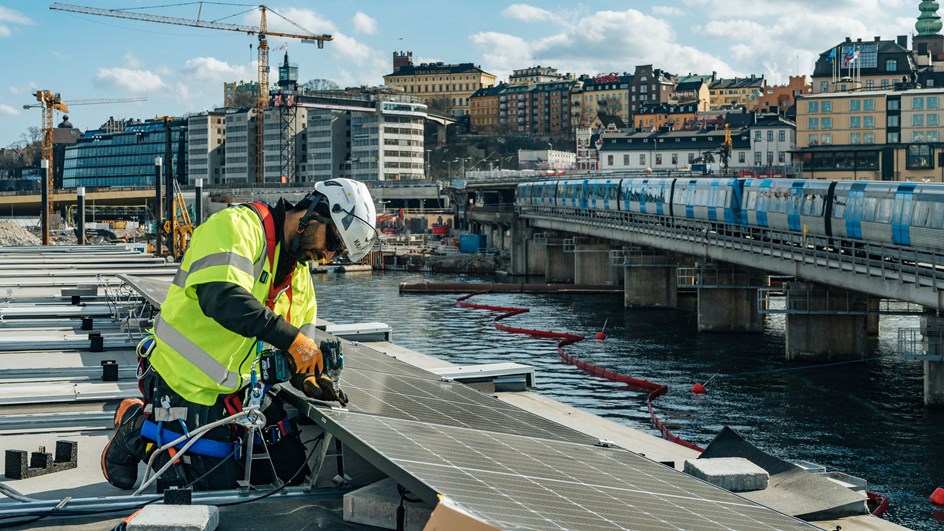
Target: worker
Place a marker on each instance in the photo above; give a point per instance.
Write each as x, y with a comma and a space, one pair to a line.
244, 279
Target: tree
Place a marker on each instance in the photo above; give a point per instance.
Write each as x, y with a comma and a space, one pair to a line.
319, 85
244, 98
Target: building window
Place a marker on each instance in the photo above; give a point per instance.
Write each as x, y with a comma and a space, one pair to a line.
884, 84
893, 121
868, 105
855, 105
781, 136
827, 123
827, 139
891, 65
813, 140
757, 135
757, 158
770, 157
932, 136
855, 122
827, 106
894, 104
917, 103
674, 159
853, 138
917, 120
917, 136
894, 138
932, 102
642, 159
742, 156
770, 136
609, 160
781, 157
919, 157
824, 86
626, 160
868, 122
812, 123
691, 158
869, 84
812, 106
932, 120
658, 159
868, 138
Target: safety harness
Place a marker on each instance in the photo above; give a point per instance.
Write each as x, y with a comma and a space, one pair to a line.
156, 431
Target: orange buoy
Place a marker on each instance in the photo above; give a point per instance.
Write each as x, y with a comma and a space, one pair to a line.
937, 497
601, 336
698, 388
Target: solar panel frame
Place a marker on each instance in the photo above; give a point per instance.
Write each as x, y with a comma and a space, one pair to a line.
515, 481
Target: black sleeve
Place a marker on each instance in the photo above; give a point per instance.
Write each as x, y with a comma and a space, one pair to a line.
238, 311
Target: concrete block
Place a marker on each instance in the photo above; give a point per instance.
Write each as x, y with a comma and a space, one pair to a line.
376, 505
156, 517
731, 473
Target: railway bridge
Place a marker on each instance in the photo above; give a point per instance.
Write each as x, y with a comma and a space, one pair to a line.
831, 292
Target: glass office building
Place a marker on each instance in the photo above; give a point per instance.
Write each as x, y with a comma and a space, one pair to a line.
125, 158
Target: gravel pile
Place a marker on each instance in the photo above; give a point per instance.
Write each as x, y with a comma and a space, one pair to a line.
13, 235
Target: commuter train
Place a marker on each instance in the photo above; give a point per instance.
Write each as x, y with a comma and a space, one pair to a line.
892, 213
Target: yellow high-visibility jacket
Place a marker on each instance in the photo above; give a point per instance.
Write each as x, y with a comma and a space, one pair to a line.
197, 357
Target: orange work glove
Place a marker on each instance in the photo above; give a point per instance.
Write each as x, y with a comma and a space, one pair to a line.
306, 355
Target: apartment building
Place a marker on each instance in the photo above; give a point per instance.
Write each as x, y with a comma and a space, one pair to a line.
484, 108
737, 92
445, 87
773, 139
328, 145
241, 142
388, 145
672, 150
865, 65
780, 99
535, 74
656, 116
206, 134
606, 93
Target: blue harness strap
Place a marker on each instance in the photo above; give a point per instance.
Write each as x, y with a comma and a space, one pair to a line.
150, 430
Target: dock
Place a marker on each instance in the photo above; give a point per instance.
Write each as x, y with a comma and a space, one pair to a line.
466, 445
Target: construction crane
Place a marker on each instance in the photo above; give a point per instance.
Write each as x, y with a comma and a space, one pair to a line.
51, 102
262, 91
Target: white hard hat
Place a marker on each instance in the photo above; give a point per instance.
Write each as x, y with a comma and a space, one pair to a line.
353, 214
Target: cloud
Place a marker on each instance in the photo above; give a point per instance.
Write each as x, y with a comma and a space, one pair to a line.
528, 13
10, 17
130, 81
363, 23
212, 69
131, 61
667, 11
8, 110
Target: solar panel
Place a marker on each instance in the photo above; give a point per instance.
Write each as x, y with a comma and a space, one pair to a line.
514, 481
446, 403
363, 358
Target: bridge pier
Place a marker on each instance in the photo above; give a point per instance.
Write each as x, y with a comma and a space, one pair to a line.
592, 264
727, 299
932, 329
824, 324
558, 264
650, 279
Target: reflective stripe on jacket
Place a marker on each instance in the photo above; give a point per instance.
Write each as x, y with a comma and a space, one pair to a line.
197, 357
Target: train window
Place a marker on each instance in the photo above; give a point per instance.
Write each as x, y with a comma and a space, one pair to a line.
919, 214
936, 215
884, 209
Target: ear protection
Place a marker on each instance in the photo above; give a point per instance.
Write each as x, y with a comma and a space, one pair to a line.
308, 216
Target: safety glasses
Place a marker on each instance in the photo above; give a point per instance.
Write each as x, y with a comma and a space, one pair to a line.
333, 241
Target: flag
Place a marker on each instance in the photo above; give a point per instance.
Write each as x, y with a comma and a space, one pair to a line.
831, 57
849, 56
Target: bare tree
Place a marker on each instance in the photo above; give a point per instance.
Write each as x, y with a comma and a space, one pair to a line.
319, 85
244, 98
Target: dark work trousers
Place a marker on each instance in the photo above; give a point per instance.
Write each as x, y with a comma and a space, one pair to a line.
212, 473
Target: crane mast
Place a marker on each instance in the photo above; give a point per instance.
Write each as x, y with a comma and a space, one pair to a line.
262, 92
50, 102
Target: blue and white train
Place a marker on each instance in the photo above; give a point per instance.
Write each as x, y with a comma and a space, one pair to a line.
894, 213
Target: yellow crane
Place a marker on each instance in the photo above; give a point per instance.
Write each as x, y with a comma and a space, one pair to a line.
262, 91
49, 102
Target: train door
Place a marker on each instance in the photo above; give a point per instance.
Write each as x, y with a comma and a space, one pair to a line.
793, 206
582, 193
901, 214
854, 213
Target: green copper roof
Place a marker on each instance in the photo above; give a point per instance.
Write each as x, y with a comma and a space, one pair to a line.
929, 23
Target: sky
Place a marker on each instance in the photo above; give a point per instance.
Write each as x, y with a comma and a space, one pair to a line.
181, 69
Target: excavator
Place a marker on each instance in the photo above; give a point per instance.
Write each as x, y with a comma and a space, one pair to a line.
181, 227
391, 222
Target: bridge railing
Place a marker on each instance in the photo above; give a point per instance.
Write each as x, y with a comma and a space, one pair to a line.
921, 268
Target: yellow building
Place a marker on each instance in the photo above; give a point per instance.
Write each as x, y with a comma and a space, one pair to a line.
444, 88
737, 92
871, 135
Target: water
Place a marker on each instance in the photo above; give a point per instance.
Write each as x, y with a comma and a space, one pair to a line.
866, 419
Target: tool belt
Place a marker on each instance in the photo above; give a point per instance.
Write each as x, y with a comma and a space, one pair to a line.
219, 449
